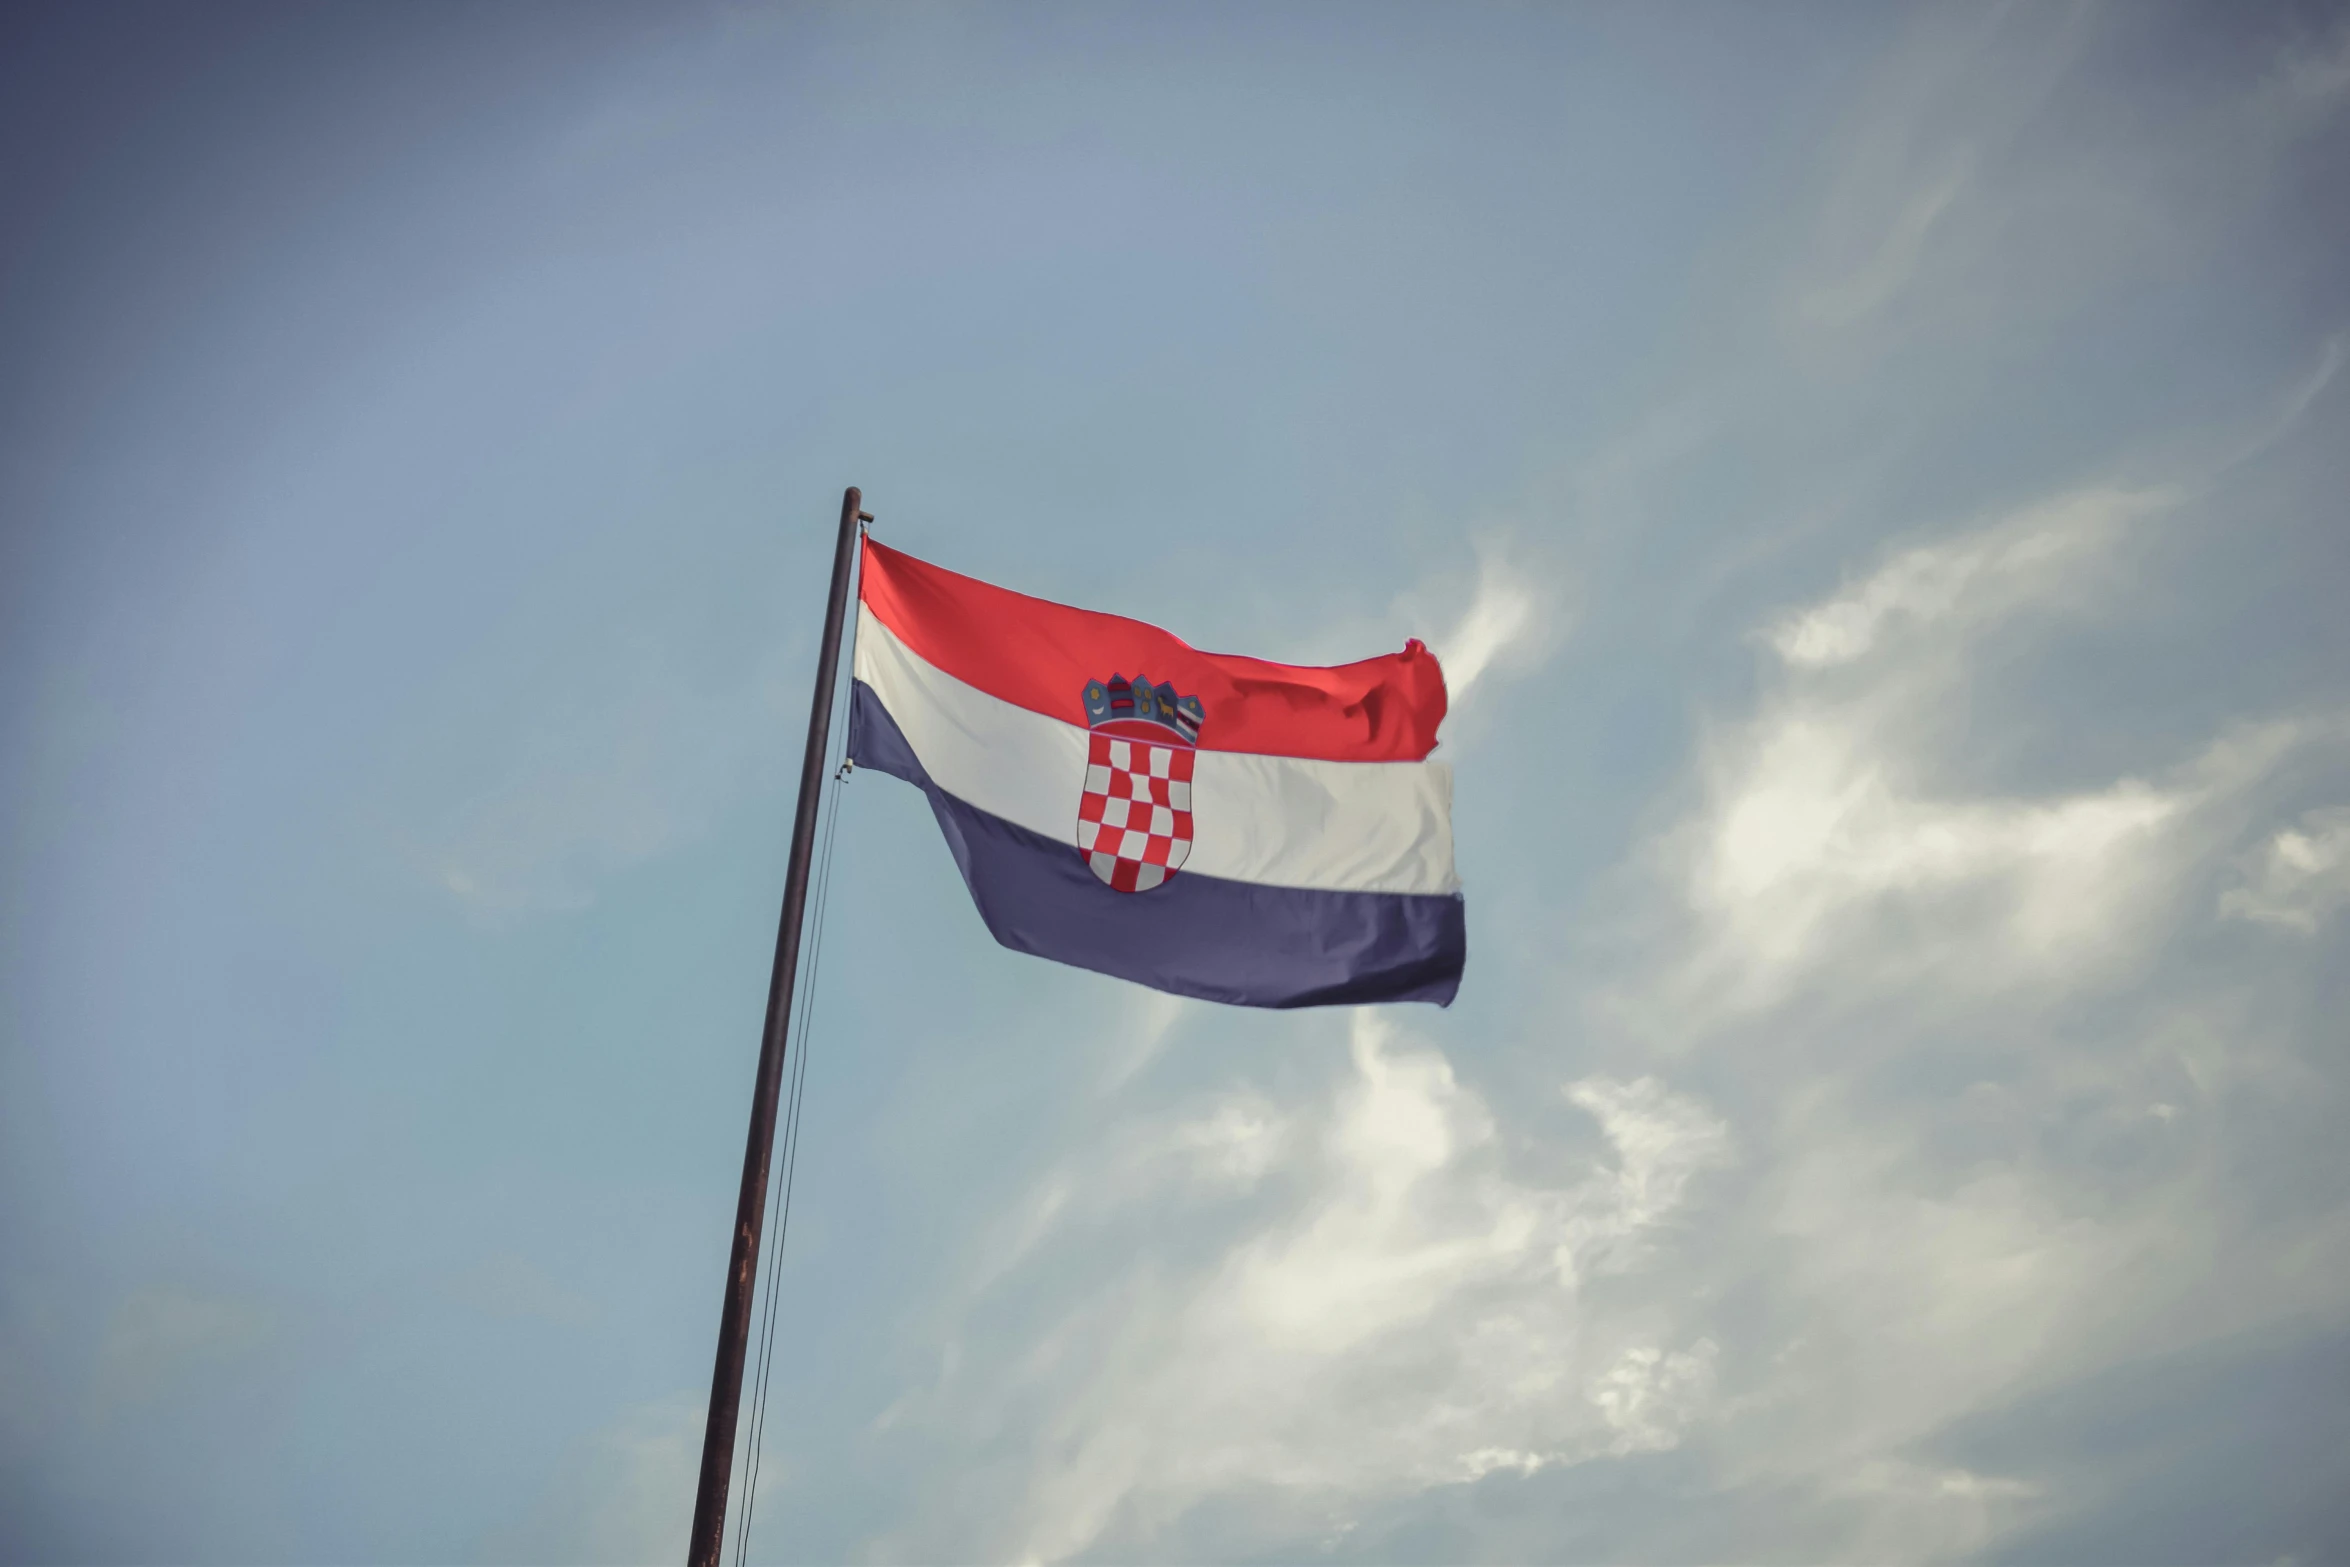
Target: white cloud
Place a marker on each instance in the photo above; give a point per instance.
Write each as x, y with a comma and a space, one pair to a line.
1650, 1395
1869, 939
1227, 1145
1406, 1314
1828, 829
1662, 1142
1822, 839
1503, 624
2037, 553
1932, 1512
2300, 878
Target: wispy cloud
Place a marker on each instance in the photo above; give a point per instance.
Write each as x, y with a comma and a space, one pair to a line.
1825, 834
1861, 938
1404, 1315
1509, 621
2035, 554
1826, 828
1887, 270
1917, 215
2292, 408
2300, 877
1156, 1017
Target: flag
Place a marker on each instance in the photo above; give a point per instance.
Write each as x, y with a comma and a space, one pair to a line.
1241, 831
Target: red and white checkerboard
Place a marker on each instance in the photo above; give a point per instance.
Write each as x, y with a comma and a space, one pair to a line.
1134, 822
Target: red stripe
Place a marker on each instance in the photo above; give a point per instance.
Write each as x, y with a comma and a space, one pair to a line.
1039, 655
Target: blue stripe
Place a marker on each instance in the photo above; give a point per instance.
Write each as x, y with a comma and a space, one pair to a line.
1203, 936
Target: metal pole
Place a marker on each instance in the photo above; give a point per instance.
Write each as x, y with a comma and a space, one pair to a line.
708, 1539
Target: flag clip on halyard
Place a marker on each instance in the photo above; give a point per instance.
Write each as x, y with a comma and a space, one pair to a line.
1263, 834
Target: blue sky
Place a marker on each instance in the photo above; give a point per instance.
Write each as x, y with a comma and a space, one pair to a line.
1875, 477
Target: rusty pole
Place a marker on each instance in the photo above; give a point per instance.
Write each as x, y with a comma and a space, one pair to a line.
708, 1539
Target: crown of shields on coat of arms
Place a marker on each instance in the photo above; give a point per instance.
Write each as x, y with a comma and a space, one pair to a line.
1134, 820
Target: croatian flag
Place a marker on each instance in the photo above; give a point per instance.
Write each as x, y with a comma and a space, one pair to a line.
1220, 827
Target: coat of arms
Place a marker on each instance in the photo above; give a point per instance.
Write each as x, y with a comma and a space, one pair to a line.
1134, 820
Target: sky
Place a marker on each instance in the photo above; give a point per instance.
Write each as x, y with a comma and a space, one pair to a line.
1876, 480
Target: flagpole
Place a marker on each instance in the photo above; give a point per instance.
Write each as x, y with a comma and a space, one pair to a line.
708, 1539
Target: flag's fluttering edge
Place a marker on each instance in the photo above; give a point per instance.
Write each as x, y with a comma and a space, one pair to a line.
1219, 827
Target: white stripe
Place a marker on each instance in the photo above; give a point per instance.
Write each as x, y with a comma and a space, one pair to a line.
1280, 820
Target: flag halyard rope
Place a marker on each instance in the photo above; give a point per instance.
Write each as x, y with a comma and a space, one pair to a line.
779, 1204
